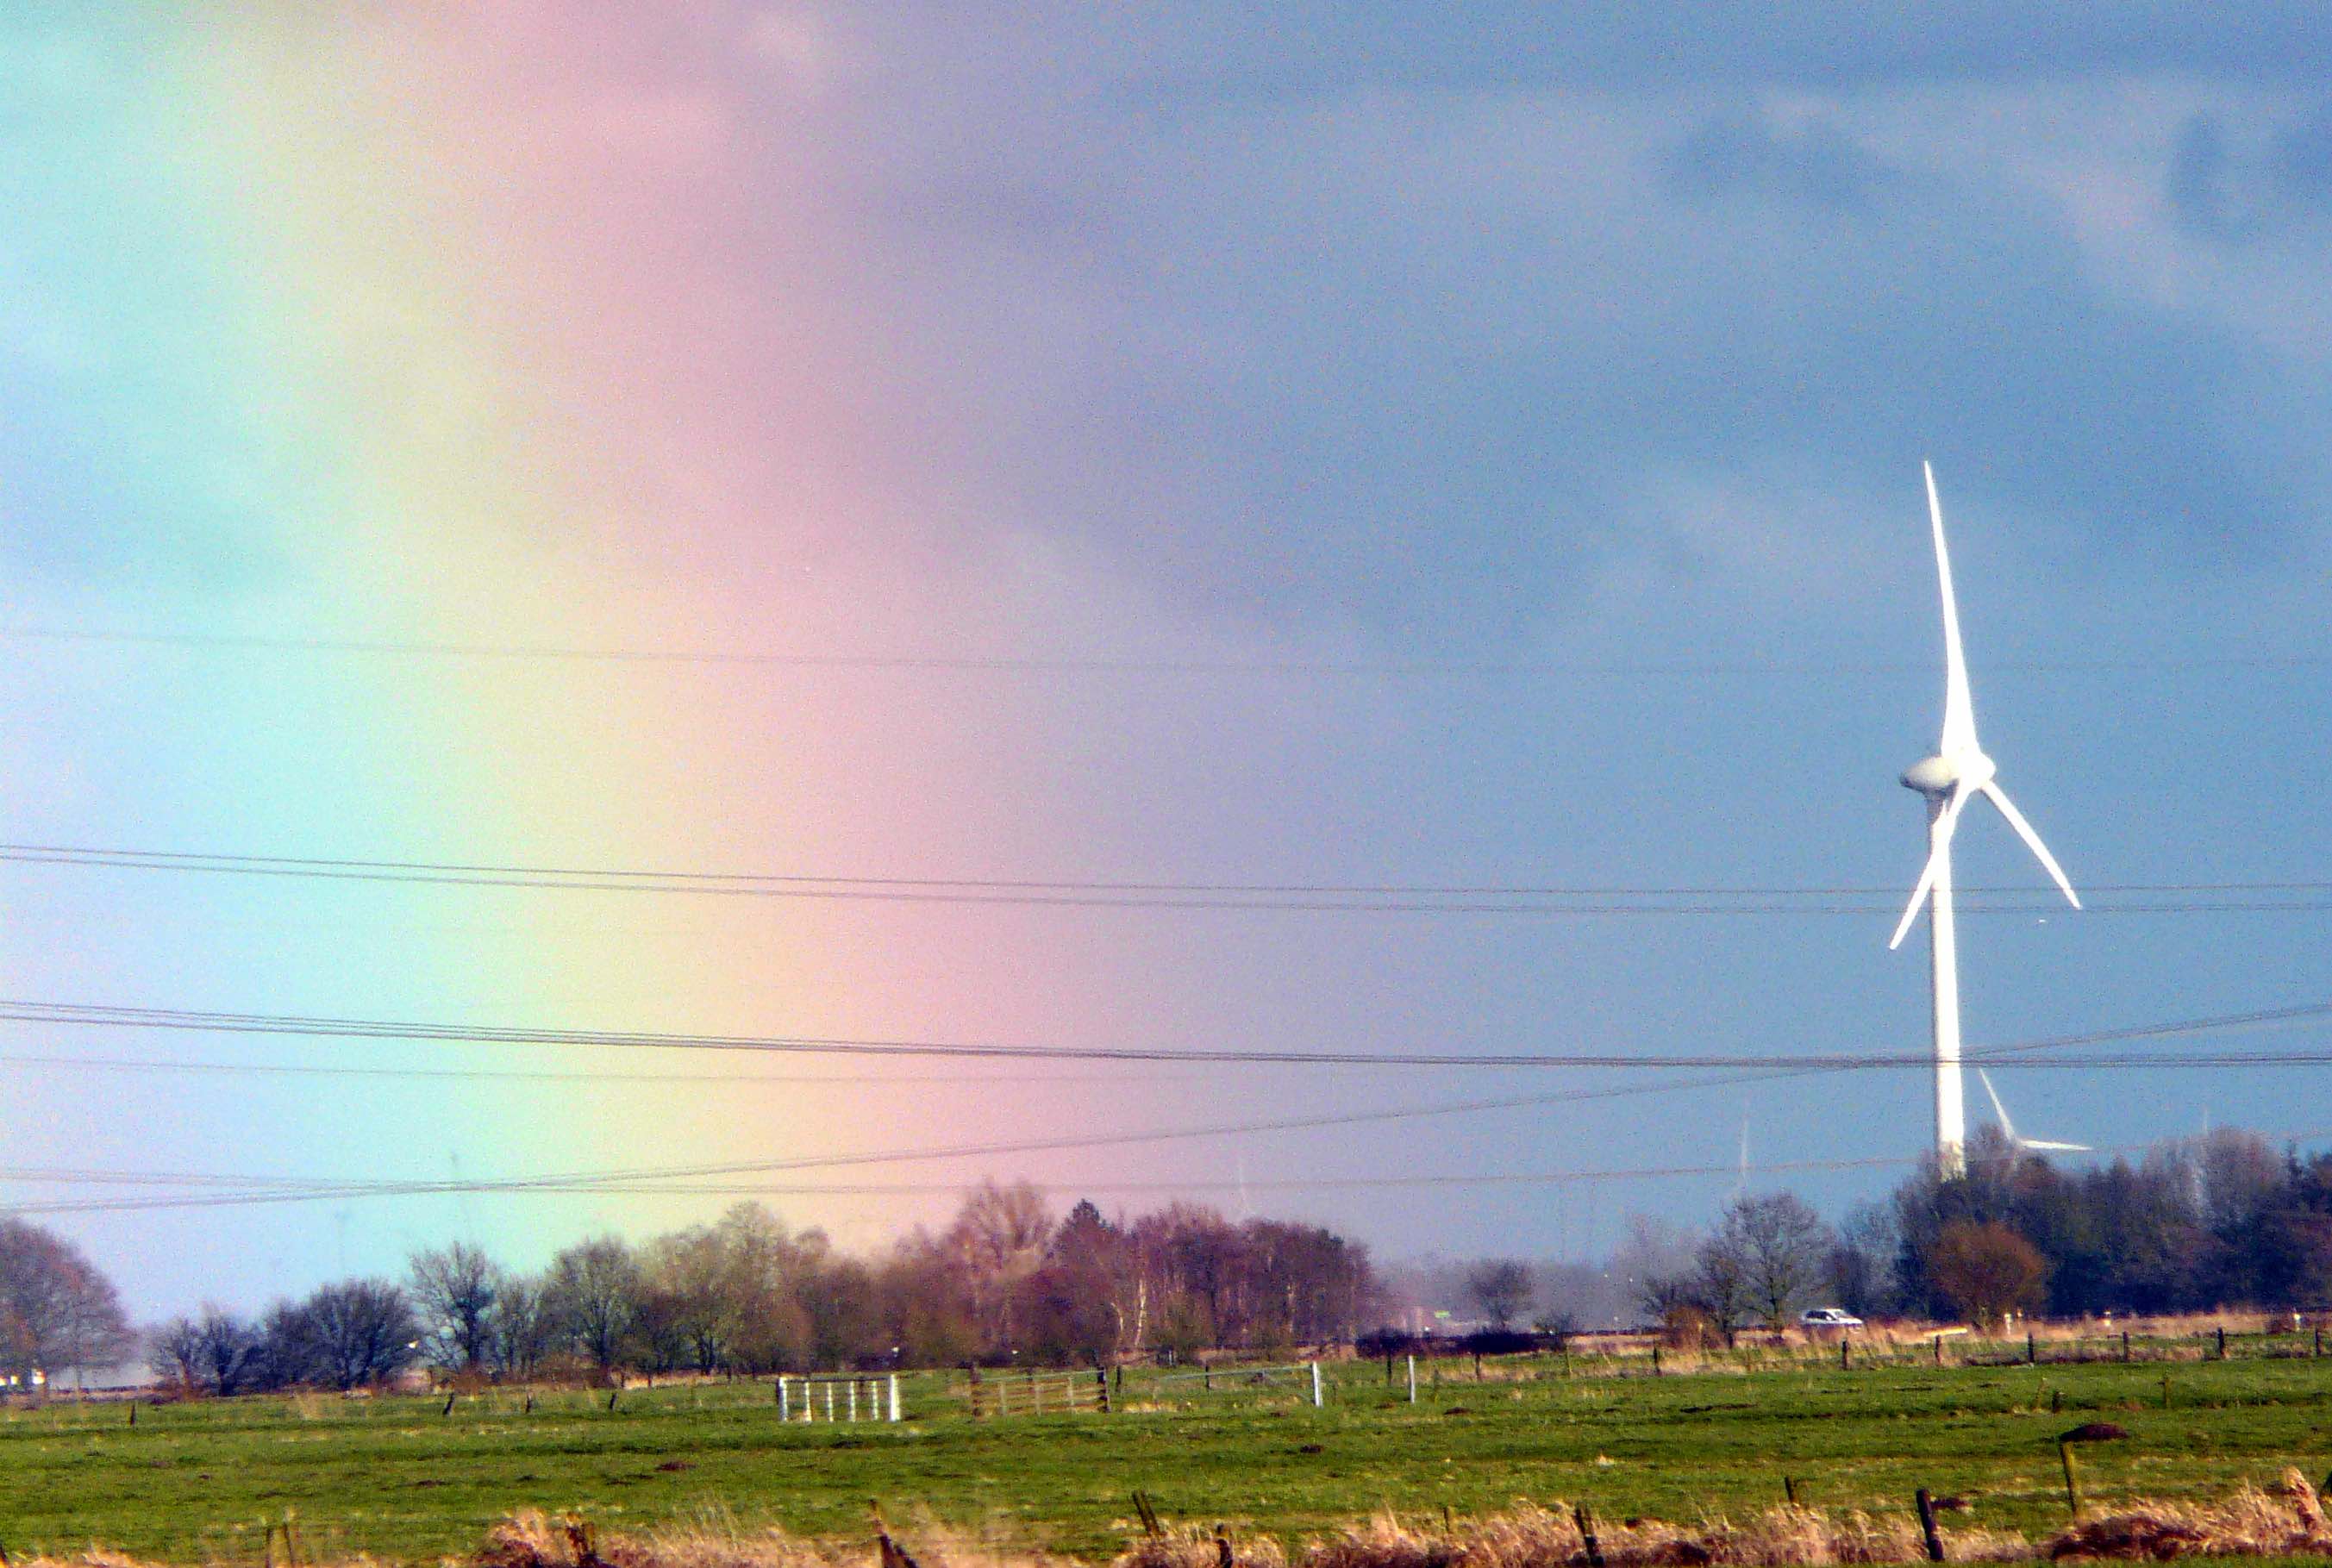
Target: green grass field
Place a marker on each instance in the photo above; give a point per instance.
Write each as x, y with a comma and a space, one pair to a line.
394, 1477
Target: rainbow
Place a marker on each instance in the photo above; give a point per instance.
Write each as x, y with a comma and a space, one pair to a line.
387, 327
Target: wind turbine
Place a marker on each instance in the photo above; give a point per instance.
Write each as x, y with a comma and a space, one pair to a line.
2024, 1145
1958, 772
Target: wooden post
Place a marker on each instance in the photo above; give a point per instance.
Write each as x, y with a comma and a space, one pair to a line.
133, 1413
2032, 1348
1939, 1350
1412, 1380
1586, 1522
1843, 1363
1927, 1526
1790, 1489
1656, 1358
1101, 1387
2072, 1484
2222, 1341
2125, 1344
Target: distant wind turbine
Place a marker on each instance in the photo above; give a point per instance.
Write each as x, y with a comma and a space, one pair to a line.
2024, 1145
1958, 771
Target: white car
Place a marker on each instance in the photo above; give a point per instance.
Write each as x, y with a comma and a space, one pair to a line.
1829, 1317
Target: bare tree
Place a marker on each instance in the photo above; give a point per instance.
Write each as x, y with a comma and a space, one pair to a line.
453, 1290
173, 1352
1501, 1287
1782, 1245
595, 1289
230, 1353
345, 1335
519, 1326
56, 1310
998, 1240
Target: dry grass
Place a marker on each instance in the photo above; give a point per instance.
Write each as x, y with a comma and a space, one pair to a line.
1535, 1538
529, 1539
2285, 1520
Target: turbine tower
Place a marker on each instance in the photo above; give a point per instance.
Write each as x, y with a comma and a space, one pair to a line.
1958, 770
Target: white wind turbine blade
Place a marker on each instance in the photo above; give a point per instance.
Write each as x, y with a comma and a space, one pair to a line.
1959, 706
2045, 1145
1934, 863
1999, 796
1998, 1109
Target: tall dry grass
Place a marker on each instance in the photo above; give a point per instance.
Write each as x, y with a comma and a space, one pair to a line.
2284, 1520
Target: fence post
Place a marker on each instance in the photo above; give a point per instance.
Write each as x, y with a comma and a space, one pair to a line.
1316, 1399
1656, 1358
1594, 1548
2222, 1341
850, 1402
1843, 1363
785, 1403
1412, 1379
2032, 1348
2125, 1343
2072, 1486
830, 1402
1927, 1526
1100, 1386
895, 1396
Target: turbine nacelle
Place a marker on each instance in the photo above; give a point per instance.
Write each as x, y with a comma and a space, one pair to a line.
1937, 776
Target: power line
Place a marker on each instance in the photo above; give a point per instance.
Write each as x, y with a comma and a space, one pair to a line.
287, 1189
1094, 664
1103, 1184
100, 1016
797, 1080
1410, 898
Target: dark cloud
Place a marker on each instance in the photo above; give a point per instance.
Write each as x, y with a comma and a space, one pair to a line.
1510, 44
1815, 163
2196, 184
2301, 157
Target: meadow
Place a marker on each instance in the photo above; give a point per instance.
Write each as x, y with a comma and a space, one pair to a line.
403, 1479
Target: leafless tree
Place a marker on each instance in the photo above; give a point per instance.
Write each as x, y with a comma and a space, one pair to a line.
1780, 1245
345, 1335
230, 1353
594, 1289
56, 1310
1501, 1287
452, 1295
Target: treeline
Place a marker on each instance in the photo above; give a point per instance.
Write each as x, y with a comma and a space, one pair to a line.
1004, 1281
2222, 1220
